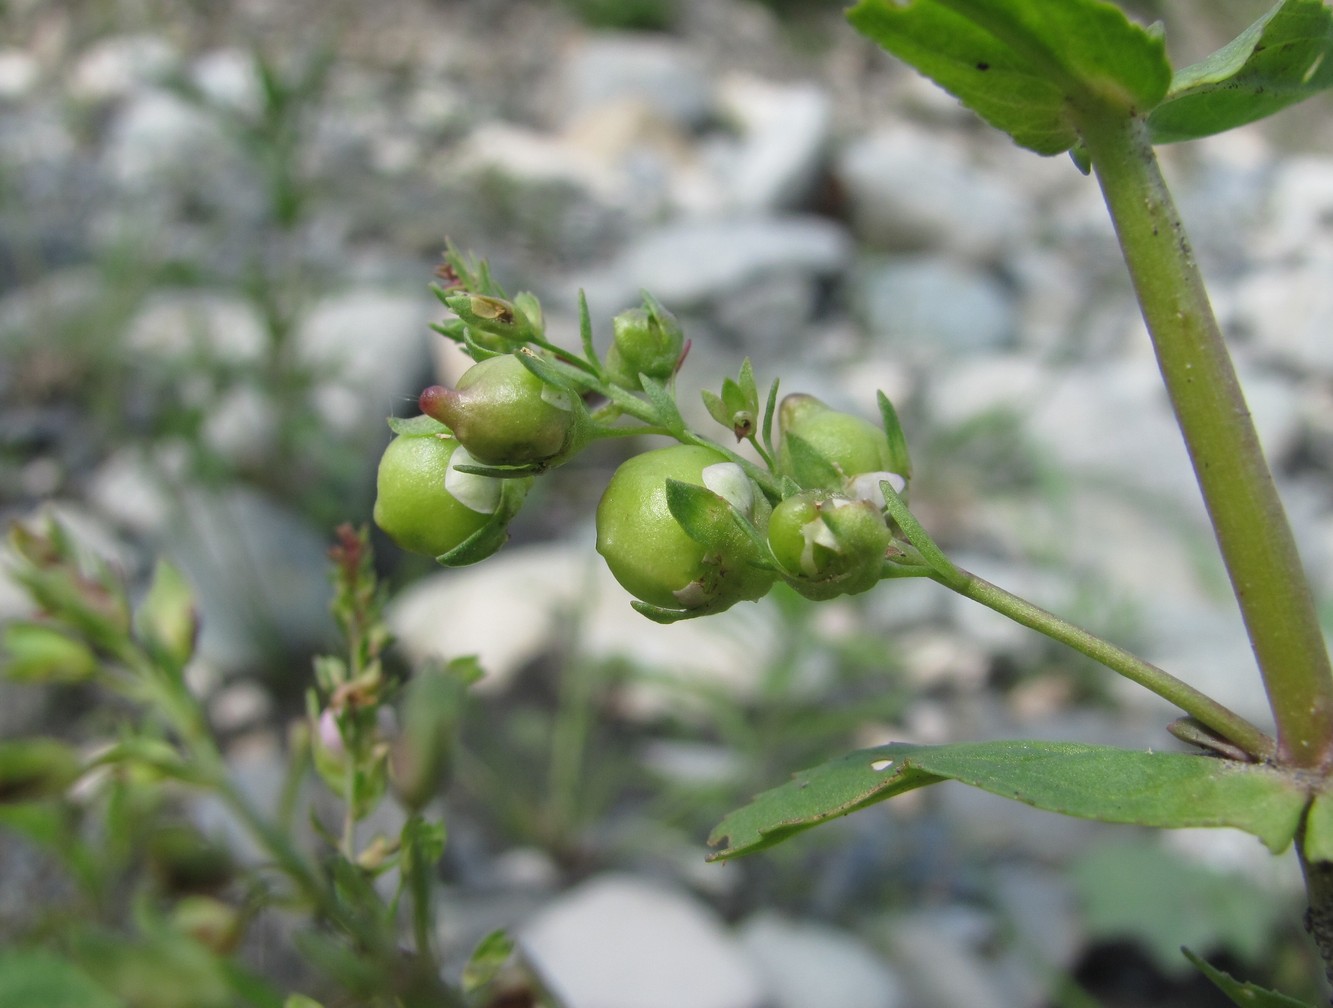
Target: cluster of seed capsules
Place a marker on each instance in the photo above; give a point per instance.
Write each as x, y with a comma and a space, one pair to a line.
689, 529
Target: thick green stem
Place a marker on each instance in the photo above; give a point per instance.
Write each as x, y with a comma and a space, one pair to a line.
1247, 516
1228, 724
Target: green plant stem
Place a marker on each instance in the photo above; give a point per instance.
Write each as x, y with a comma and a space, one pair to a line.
1248, 518
1205, 709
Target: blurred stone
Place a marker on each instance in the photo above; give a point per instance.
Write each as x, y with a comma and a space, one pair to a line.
784, 132
812, 964
114, 67
618, 941
206, 325
19, 73
940, 956
934, 306
664, 72
372, 344
687, 263
259, 573
1286, 309
229, 78
912, 189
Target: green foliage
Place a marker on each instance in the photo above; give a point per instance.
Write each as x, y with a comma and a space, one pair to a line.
1283, 58
1247, 995
1159, 789
1025, 66
35, 978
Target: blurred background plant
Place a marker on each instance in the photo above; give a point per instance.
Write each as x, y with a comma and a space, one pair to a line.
217, 226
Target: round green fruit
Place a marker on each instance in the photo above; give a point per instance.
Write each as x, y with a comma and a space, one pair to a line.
414, 504
652, 556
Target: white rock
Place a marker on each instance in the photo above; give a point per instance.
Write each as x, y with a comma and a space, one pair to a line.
219, 327
689, 262
19, 72
113, 67
618, 941
784, 132
812, 964
1300, 209
912, 189
1287, 311
610, 67
507, 610
157, 138
229, 78
373, 342
935, 305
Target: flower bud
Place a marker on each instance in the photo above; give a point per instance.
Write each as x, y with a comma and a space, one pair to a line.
821, 447
423, 502
648, 549
828, 544
505, 415
645, 341
495, 323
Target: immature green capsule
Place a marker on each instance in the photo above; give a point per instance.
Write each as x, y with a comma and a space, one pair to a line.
505, 415
848, 444
651, 554
423, 502
645, 341
828, 544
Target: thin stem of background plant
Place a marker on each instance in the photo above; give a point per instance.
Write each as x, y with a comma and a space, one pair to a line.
1251, 526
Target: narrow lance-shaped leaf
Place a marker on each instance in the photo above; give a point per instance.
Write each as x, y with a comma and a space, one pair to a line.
1025, 66
1164, 790
1283, 58
1245, 994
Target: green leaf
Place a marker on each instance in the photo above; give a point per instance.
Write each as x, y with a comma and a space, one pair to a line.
1283, 58
31, 978
1164, 790
1247, 995
32, 769
1028, 67
166, 620
717, 409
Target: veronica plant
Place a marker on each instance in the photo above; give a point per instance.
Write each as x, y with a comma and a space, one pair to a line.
819, 501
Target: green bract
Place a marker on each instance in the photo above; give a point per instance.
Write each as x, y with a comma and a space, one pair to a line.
653, 556
423, 502
646, 341
505, 415
823, 448
828, 544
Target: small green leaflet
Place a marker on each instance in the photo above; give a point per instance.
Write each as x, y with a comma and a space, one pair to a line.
1165, 790
1245, 994
1283, 58
1028, 67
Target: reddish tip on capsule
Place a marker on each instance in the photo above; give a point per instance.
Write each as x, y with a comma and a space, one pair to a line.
438, 402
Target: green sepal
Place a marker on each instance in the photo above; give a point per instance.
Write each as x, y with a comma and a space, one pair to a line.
810, 469
420, 425
717, 409
665, 616
1283, 58
488, 539
705, 517
166, 621
900, 461
33, 769
668, 413
37, 652
1163, 790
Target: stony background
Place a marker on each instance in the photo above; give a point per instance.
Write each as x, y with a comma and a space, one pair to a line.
217, 227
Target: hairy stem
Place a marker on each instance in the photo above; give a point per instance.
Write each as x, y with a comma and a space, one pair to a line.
1247, 516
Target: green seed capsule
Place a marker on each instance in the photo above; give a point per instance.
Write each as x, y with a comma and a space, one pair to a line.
423, 502
652, 555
